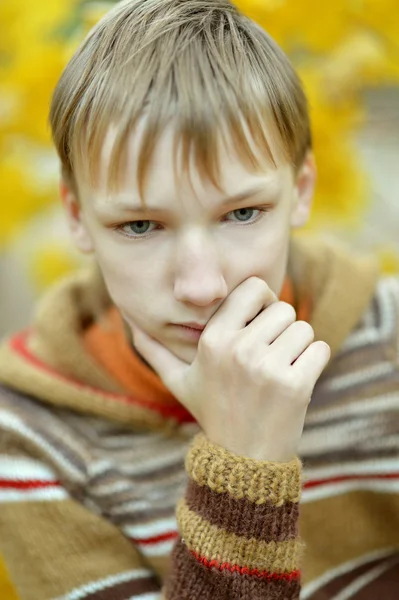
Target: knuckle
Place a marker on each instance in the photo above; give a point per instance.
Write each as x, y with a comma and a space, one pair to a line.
208, 342
304, 385
239, 354
290, 385
260, 286
288, 311
323, 350
257, 281
324, 346
306, 329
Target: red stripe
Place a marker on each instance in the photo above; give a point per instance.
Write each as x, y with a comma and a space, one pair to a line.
164, 537
245, 571
371, 477
33, 484
19, 344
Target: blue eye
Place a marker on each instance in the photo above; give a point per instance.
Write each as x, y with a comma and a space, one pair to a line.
240, 213
136, 227
142, 229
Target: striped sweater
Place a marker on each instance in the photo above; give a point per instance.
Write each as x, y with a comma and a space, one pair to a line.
107, 495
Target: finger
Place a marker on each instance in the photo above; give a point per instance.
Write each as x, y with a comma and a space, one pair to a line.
168, 366
271, 323
313, 361
243, 305
292, 342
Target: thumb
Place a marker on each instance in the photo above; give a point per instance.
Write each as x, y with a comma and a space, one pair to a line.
169, 367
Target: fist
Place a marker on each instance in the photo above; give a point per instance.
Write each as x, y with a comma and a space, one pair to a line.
252, 379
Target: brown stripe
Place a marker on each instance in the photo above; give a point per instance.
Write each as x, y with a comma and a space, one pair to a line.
336, 585
125, 590
143, 516
261, 521
381, 587
325, 459
111, 475
191, 579
385, 586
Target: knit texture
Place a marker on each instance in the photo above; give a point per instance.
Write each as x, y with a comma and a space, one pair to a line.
106, 494
213, 466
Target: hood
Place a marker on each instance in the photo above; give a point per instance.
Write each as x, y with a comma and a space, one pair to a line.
49, 361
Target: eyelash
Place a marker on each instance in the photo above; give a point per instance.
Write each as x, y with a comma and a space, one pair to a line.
119, 229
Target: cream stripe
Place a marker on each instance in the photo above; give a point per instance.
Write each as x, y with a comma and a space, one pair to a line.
344, 437
158, 549
107, 489
42, 495
133, 506
367, 336
143, 462
151, 528
24, 469
343, 382
375, 405
365, 467
165, 458
338, 489
103, 584
217, 544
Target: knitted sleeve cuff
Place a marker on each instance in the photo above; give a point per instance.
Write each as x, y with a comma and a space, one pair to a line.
239, 517
259, 481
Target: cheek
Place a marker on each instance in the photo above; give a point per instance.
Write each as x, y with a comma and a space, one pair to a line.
266, 257
274, 267
130, 283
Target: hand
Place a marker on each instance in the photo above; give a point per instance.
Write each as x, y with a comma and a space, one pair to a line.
251, 381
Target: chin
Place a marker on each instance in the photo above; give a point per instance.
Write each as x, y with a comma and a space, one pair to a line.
186, 352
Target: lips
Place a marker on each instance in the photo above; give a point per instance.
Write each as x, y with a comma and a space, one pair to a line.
196, 326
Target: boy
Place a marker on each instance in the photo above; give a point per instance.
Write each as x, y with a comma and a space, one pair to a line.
174, 375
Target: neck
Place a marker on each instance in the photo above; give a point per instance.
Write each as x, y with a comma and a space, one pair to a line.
129, 337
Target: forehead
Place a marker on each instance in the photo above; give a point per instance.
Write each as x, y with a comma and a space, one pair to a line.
166, 182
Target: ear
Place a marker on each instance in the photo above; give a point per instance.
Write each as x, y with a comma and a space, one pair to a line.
74, 214
304, 188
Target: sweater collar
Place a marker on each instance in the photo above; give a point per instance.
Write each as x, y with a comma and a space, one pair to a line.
51, 360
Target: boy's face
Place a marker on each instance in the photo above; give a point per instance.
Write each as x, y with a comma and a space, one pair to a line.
179, 262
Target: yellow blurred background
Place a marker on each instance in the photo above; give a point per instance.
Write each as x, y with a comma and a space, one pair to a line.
347, 53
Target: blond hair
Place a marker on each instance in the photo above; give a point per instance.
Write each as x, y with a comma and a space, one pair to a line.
200, 63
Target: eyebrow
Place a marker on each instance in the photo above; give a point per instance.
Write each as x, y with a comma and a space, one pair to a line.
242, 196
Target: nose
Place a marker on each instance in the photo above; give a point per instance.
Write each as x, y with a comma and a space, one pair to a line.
198, 274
